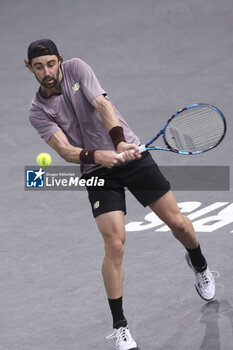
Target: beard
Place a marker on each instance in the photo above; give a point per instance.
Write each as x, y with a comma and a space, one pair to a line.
49, 82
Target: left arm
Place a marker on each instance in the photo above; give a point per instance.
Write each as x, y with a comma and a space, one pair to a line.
110, 119
105, 110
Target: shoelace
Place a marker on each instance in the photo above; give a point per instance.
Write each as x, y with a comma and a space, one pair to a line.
205, 276
119, 333
112, 335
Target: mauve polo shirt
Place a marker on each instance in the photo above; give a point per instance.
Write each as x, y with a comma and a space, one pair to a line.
71, 111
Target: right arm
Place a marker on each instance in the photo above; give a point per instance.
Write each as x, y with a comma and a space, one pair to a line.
61, 145
59, 142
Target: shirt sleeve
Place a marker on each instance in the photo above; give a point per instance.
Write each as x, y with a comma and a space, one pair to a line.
87, 79
43, 124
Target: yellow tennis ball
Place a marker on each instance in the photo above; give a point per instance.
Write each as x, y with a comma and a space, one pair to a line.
44, 159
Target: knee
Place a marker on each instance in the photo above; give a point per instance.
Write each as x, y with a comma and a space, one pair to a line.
178, 223
114, 250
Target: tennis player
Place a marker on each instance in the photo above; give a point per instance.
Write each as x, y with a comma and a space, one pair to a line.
73, 114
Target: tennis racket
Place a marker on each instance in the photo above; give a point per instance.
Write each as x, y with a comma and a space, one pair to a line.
194, 129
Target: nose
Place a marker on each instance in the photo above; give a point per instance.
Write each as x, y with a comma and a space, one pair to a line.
46, 71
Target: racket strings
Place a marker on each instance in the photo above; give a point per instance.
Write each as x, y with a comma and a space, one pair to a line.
195, 129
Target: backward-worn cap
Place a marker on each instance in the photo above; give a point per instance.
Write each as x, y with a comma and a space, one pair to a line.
42, 47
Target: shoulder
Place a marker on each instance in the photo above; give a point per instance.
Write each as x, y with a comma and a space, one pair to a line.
37, 108
73, 63
77, 66
35, 105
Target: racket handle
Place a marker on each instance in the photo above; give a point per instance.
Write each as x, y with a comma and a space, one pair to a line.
141, 149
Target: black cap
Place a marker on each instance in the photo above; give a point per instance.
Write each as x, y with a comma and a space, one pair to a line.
42, 47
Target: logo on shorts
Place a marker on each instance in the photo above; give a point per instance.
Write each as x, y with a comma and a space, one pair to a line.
75, 87
35, 178
96, 205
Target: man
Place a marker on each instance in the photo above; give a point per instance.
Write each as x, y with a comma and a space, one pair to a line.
73, 114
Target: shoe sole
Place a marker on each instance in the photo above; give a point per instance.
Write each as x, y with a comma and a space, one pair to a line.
134, 348
201, 295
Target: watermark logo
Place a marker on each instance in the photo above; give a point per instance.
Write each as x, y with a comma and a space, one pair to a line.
59, 178
35, 178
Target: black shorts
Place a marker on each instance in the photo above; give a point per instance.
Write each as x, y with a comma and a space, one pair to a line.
142, 177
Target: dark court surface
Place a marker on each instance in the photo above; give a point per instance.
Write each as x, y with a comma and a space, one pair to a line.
153, 57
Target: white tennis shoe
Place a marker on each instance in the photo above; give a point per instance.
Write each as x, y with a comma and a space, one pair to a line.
205, 283
124, 340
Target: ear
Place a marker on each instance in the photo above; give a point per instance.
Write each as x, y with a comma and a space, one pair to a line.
28, 65
30, 68
60, 59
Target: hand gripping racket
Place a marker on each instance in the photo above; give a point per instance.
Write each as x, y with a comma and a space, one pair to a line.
192, 130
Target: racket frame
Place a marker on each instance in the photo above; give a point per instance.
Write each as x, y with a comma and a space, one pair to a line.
147, 147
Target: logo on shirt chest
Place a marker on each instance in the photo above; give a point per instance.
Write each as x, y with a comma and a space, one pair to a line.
75, 87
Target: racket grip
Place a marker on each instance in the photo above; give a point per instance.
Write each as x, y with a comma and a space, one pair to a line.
141, 149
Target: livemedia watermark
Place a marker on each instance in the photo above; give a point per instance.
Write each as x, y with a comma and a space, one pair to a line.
181, 178
58, 178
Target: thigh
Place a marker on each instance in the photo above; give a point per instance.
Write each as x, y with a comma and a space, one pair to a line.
112, 226
166, 207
